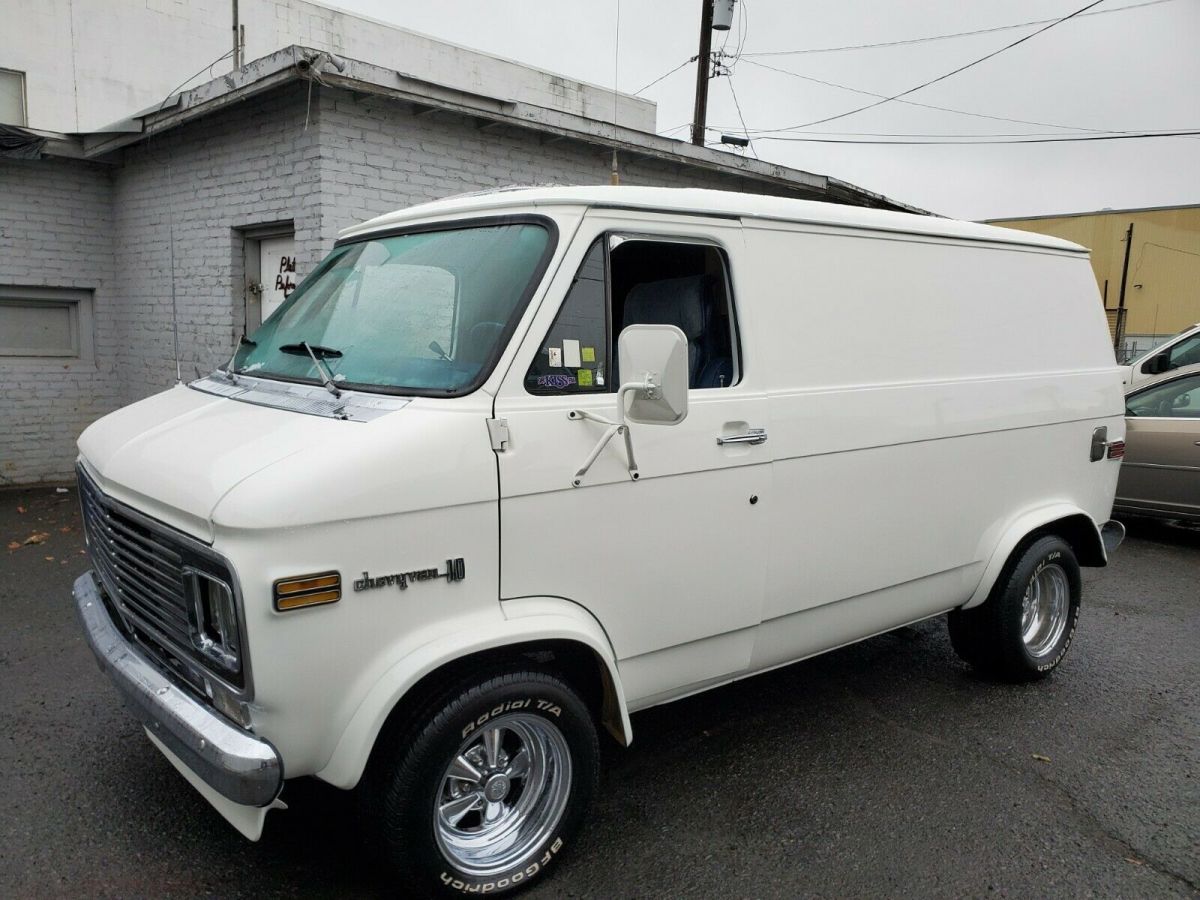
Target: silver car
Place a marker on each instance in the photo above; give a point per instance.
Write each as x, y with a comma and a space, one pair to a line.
1161, 472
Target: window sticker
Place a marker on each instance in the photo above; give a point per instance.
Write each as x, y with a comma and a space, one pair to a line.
570, 350
585, 377
555, 357
588, 354
557, 382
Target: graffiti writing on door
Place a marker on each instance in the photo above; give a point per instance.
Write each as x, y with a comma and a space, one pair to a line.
285, 280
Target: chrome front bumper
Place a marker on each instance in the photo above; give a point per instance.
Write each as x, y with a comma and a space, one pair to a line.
241, 767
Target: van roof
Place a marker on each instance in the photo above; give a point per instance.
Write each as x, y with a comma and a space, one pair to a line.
696, 201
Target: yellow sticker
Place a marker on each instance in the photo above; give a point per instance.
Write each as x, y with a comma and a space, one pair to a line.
585, 377
588, 354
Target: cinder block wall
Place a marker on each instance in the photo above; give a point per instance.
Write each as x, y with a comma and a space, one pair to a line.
377, 156
56, 231
249, 165
322, 161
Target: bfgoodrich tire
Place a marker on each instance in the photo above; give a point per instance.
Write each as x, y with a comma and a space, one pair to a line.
1024, 628
487, 791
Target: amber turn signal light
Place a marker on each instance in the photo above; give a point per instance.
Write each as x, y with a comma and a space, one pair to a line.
307, 590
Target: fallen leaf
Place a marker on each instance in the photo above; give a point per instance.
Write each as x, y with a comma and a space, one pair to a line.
38, 538
49, 559
66, 529
1136, 862
14, 545
21, 510
1041, 758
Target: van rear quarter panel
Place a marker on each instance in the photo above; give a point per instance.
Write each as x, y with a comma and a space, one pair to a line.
925, 394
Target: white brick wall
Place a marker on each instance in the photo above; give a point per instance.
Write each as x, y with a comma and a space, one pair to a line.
252, 164
376, 156
66, 223
55, 231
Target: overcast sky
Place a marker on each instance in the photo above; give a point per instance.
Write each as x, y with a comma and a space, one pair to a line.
1121, 71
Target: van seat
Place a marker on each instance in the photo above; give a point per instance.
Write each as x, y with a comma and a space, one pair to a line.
684, 303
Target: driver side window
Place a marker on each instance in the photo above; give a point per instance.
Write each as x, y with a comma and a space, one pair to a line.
1176, 399
640, 280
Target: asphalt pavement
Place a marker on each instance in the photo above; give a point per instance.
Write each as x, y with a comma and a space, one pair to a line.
881, 770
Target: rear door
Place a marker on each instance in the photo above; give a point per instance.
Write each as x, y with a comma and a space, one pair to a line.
1161, 471
671, 564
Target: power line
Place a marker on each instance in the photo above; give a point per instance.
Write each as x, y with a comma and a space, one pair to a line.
741, 118
945, 37
1067, 139
665, 74
952, 72
1148, 132
949, 109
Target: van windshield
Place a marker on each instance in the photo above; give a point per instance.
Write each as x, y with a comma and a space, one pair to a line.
421, 312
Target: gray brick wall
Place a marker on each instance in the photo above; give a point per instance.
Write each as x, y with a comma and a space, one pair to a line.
323, 162
56, 231
251, 164
376, 156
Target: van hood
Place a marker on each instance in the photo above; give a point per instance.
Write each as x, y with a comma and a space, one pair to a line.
212, 465
176, 454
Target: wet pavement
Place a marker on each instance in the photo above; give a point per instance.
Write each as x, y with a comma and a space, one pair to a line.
880, 770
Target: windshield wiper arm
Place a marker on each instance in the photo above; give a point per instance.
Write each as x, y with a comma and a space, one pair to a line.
230, 370
317, 353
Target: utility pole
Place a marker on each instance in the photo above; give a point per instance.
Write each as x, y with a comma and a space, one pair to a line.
1119, 337
703, 62
237, 42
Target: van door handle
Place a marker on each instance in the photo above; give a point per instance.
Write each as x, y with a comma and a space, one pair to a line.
753, 436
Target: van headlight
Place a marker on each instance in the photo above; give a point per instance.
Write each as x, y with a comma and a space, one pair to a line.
212, 615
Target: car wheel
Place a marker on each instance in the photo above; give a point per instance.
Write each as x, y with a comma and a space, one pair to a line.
1024, 628
485, 794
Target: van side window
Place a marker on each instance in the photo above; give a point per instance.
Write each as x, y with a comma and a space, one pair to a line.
680, 284
639, 281
574, 357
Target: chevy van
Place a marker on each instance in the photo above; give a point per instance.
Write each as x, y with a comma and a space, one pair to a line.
507, 468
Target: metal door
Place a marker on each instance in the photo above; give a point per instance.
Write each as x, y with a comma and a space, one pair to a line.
671, 564
277, 268
1161, 470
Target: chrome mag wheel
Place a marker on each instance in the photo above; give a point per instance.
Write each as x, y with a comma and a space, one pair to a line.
1045, 609
503, 794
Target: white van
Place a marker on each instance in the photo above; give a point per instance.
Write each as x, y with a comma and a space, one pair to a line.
1177, 355
509, 467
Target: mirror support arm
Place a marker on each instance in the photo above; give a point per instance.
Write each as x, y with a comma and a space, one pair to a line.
614, 428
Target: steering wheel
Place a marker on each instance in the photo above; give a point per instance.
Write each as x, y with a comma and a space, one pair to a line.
480, 339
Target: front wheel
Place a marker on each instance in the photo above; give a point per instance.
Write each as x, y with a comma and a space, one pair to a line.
1024, 628
484, 795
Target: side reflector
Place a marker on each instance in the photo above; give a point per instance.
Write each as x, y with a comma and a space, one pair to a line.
1116, 449
307, 590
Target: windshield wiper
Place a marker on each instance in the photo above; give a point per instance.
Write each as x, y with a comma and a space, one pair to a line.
317, 353
230, 370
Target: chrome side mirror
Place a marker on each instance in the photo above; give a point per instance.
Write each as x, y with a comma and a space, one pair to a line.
654, 372
654, 391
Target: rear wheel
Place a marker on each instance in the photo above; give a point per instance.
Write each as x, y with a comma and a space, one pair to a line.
483, 795
1024, 628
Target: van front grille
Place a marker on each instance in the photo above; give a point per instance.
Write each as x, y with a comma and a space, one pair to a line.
141, 568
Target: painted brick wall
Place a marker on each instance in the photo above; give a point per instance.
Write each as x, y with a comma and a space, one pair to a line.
249, 165
56, 231
376, 156
323, 162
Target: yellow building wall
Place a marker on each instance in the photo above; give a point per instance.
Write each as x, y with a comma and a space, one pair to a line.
1162, 293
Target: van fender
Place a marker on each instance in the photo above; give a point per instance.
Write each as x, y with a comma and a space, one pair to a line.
524, 620
1017, 531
